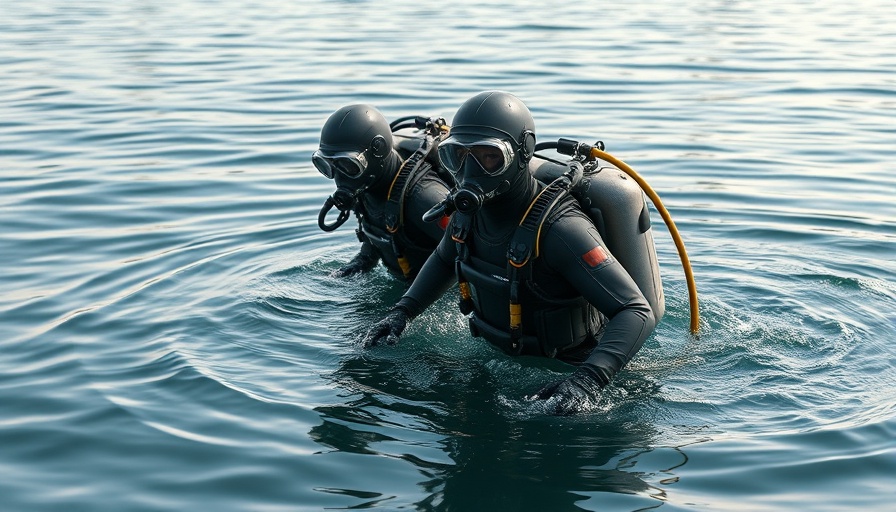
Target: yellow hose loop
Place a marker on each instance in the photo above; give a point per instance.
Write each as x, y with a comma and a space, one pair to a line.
670, 224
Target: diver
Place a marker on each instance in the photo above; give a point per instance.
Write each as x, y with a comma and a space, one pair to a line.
573, 301
387, 192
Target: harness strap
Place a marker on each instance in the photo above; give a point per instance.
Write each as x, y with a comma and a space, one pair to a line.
404, 181
460, 228
360, 215
525, 242
466, 296
406, 178
524, 245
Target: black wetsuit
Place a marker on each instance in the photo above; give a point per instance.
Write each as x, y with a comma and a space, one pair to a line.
580, 305
415, 239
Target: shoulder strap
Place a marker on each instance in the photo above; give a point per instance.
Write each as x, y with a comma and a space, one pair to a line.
525, 242
404, 181
524, 245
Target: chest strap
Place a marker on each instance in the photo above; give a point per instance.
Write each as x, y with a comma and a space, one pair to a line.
524, 245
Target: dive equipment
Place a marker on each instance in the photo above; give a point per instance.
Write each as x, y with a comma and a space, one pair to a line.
441, 209
413, 168
468, 199
350, 163
343, 201
492, 155
592, 152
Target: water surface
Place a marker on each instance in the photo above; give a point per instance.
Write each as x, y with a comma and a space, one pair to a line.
170, 337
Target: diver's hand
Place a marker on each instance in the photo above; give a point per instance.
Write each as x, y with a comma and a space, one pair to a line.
387, 330
362, 262
574, 393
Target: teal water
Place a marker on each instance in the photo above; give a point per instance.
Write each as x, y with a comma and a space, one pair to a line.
170, 338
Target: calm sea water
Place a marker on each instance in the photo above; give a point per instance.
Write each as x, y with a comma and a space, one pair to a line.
170, 338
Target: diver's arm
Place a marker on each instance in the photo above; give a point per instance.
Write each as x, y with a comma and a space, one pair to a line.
434, 279
364, 261
575, 250
436, 276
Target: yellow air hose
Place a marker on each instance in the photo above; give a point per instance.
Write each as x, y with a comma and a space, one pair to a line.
670, 224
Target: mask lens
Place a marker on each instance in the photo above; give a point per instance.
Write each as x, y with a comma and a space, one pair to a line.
352, 164
322, 164
491, 159
493, 155
452, 155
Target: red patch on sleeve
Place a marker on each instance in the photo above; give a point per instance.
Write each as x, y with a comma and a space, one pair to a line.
443, 222
595, 256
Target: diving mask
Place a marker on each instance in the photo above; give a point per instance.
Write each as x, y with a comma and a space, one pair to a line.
352, 164
493, 155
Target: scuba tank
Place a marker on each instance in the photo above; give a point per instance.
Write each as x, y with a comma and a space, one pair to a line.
600, 205
618, 208
612, 195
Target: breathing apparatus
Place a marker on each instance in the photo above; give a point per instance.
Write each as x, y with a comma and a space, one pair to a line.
343, 200
355, 151
491, 141
590, 153
354, 173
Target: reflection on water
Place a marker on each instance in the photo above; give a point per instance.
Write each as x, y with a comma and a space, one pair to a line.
170, 334
459, 436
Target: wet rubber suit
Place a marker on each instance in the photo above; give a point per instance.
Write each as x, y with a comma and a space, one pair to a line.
387, 190
415, 240
580, 305
616, 313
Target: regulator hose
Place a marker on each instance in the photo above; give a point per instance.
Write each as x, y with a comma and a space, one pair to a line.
322, 216
670, 224
574, 148
343, 200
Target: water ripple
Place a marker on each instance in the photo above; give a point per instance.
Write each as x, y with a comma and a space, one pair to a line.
171, 333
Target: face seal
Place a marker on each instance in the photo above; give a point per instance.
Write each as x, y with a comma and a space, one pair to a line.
492, 156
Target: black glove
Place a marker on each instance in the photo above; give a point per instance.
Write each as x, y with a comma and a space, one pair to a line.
387, 330
574, 393
362, 262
